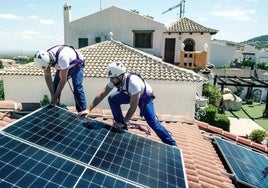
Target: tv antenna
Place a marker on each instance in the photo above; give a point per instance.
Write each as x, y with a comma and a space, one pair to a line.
182, 8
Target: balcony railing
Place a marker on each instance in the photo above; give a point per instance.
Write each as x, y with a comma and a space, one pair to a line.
193, 60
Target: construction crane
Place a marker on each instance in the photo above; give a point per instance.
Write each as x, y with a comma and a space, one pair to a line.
182, 8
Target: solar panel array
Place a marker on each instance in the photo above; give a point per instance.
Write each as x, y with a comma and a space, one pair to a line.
53, 147
249, 167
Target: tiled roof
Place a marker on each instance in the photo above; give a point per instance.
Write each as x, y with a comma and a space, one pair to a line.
98, 56
185, 25
204, 168
29, 69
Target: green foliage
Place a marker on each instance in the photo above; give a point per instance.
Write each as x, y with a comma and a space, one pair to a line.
1, 64
23, 59
45, 100
263, 66
222, 121
209, 114
148, 16
212, 117
261, 45
249, 101
238, 91
262, 38
212, 93
223, 67
257, 135
31, 59
2, 93
248, 63
135, 11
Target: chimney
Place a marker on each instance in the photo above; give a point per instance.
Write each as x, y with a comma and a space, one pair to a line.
66, 20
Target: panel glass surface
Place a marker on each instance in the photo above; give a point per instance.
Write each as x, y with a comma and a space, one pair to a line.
140, 160
249, 167
54, 147
61, 131
22, 165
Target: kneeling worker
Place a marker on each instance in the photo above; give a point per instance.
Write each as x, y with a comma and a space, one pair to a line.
133, 90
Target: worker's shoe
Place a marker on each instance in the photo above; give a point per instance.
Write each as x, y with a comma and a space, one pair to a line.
119, 125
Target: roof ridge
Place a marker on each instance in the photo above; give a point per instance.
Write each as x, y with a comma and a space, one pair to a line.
158, 60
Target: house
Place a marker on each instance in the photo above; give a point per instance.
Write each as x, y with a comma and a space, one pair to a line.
122, 25
222, 53
175, 88
204, 164
189, 43
143, 33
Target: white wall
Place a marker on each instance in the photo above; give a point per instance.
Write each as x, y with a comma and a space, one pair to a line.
199, 39
221, 54
112, 19
175, 98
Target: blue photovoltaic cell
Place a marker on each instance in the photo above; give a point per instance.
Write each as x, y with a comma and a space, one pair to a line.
25, 166
250, 168
55, 147
140, 160
61, 131
97, 179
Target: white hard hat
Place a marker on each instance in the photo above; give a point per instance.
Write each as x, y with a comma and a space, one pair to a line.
41, 59
115, 69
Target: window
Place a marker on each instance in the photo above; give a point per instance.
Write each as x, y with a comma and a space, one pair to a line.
189, 45
143, 38
82, 42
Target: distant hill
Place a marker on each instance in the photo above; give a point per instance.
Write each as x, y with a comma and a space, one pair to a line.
262, 38
259, 42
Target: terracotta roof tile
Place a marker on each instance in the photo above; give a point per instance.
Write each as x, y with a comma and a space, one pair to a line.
98, 56
203, 166
7, 105
185, 25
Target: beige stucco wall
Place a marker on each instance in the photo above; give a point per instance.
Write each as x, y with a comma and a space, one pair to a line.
175, 98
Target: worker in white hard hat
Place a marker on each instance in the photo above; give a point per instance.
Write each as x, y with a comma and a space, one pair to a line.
69, 63
132, 90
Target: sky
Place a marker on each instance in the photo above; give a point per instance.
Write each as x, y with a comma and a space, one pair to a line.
29, 25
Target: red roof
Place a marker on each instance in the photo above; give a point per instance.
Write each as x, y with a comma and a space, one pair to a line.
204, 167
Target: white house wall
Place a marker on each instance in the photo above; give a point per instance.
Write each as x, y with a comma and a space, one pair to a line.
221, 54
118, 21
199, 40
261, 57
175, 98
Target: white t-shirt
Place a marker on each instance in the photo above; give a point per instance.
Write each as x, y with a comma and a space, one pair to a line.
66, 56
135, 85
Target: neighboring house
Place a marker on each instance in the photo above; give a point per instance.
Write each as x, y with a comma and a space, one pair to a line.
175, 88
250, 53
187, 43
222, 53
143, 33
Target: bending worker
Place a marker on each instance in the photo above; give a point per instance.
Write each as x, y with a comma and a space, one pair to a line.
133, 90
69, 63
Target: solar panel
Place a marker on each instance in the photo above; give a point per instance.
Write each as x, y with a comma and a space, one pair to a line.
53, 147
250, 168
